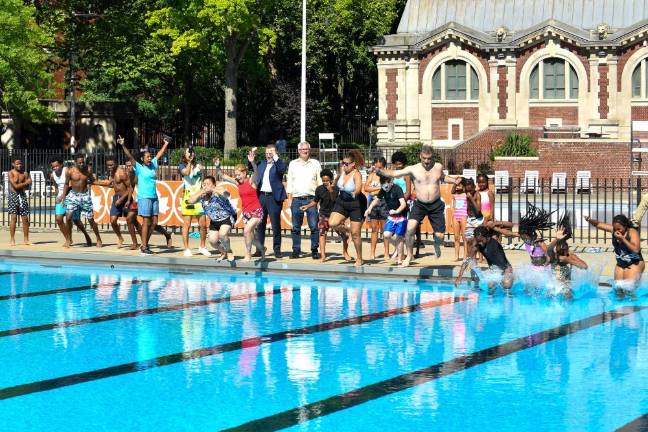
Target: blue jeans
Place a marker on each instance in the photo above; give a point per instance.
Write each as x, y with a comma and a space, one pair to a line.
298, 218
272, 209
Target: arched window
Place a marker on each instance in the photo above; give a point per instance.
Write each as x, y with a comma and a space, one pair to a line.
553, 78
640, 80
455, 80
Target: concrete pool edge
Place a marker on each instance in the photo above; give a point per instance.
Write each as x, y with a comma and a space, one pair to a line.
442, 272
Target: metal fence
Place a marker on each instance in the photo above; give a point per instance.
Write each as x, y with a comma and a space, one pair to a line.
604, 199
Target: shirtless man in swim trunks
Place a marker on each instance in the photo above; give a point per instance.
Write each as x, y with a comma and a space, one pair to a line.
427, 177
77, 196
120, 181
19, 182
59, 178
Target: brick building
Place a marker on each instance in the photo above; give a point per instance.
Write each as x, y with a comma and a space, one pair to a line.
575, 70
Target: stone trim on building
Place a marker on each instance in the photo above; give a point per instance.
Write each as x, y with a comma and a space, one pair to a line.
604, 107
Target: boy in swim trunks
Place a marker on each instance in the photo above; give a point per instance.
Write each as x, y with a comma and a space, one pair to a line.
396, 225
59, 178
19, 182
78, 197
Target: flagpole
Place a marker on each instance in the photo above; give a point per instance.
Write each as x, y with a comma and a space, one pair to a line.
303, 76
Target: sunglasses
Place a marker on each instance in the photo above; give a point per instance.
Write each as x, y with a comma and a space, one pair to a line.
346, 163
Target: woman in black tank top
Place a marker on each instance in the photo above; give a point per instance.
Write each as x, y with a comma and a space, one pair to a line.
630, 264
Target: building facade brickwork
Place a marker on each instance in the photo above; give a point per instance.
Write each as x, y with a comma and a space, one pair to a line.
571, 77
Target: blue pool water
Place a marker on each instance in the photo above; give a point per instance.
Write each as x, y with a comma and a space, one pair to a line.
120, 350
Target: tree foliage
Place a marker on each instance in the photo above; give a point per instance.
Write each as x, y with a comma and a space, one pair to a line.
188, 62
25, 70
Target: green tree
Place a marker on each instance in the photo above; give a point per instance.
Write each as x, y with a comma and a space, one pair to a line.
25, 72
218, 31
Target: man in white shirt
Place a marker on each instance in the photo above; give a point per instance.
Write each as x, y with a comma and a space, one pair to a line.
303, 179
272, 194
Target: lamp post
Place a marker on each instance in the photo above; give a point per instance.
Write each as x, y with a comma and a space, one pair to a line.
72, 105
303, 76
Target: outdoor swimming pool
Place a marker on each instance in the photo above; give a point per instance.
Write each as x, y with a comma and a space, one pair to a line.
120, 350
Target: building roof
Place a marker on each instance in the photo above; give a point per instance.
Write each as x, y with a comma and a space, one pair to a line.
423, 16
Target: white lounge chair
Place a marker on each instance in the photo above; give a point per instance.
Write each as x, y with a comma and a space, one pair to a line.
39, 184
470, 173
559, 182
531, 182
501, 181
583, 181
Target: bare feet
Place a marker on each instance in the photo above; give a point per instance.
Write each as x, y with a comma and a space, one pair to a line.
347, 257
169, 240
247, 258
406, 262
27, 243
99, 243
12, 242
134, 246
66, 245
359, 263
372, 257
120, 242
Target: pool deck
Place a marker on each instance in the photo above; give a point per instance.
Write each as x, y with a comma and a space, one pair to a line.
47, 246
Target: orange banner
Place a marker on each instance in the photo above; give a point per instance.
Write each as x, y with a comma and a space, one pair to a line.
170, 196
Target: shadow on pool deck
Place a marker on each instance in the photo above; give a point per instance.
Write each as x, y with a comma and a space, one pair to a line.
48, 246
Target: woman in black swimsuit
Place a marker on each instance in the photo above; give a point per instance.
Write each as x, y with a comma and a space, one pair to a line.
627, 248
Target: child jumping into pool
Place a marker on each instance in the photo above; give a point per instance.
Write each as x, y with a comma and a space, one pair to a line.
630, 264
530, 227
499, 267
561, 259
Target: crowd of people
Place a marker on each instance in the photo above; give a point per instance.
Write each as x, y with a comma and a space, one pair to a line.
394, 201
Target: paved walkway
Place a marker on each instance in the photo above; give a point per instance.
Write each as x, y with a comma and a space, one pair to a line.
48, 246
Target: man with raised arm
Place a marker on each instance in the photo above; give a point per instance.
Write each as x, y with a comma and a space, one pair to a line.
148, 206
78, 198
427, 177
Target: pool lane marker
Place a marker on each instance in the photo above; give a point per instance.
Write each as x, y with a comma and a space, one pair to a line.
169, 359
640, 424
399, 383
140, 312
72, 289
4, 273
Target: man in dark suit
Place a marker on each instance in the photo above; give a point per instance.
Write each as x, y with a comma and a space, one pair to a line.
272, 194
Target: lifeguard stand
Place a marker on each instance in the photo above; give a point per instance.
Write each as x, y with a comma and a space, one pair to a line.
328, 151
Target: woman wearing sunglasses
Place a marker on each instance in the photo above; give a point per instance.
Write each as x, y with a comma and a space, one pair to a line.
347, 205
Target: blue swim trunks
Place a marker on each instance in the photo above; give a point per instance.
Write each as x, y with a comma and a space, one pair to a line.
396, 225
